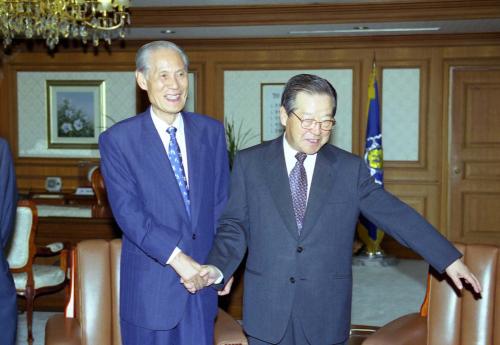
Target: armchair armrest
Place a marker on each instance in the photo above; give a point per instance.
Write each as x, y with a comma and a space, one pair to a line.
52, 249
359, 333
57, 248
228, 331
409, 329
60, 330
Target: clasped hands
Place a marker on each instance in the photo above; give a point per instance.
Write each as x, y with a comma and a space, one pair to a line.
194, 276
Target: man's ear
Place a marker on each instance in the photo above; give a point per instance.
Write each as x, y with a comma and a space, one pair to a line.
283, 116
141, 80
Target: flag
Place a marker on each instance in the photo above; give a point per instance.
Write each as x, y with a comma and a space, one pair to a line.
373, 158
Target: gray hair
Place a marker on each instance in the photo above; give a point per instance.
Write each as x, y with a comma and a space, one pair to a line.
309, 83
142, 56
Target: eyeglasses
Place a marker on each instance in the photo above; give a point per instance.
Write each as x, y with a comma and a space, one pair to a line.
325, 125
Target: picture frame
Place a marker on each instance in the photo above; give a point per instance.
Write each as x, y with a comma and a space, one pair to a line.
191, 99
75, 113
270, 100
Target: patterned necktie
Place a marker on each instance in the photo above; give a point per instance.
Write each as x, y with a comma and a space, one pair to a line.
175, 157
298, 187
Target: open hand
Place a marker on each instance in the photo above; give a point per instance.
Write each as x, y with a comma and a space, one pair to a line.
457, 271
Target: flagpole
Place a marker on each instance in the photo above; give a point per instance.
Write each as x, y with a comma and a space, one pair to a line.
373, 157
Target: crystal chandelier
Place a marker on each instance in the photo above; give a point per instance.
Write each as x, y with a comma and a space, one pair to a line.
93, 20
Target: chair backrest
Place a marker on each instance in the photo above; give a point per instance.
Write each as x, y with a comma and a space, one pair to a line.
23, 238
101, 209
465, 319
98, 290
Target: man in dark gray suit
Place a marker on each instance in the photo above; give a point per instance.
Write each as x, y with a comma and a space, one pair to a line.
294, 204
8, 202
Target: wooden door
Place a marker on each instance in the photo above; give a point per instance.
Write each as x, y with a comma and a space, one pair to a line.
474, 170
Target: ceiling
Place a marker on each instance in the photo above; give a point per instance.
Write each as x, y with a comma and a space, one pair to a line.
215, 19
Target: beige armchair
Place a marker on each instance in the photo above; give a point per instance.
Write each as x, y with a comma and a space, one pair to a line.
33, 279
93, 317
449, 317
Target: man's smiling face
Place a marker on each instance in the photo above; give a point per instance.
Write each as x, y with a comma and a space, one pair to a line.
166, 82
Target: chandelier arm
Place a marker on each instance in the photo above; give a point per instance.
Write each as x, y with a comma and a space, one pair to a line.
105, 28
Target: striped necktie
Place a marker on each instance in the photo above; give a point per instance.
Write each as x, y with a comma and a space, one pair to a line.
175, 157
298, 187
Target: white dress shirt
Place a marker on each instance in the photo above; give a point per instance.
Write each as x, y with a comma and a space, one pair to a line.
290, 161
161, 127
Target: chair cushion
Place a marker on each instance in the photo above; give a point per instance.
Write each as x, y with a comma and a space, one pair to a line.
410, 329
62, 331
227, 330
94, 292
43, 275
18, 248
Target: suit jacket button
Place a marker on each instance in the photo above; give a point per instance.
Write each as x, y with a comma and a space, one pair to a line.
292, 280
299, 249
194, 236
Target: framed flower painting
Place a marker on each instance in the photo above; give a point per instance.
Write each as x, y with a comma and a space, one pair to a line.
75, 113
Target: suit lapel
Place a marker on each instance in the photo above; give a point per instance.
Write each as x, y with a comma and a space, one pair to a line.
279, 186
321, 187
156, 155
194, 150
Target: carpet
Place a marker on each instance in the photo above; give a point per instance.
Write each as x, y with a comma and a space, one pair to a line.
384, 293
39, 320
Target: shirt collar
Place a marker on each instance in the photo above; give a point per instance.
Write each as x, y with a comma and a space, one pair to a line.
290, 151
162, 125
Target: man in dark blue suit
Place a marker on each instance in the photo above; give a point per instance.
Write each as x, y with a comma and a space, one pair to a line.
294, 203
166, 175
8, 202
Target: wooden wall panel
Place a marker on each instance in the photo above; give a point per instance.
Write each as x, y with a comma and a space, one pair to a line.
480, 217
482, 171
474, 172
424, 198
336, 12
210, 58
482, 117
425, 167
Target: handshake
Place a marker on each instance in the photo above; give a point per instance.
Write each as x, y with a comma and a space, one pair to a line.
195, 277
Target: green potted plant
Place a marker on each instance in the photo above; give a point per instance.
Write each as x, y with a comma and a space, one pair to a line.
235, 138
